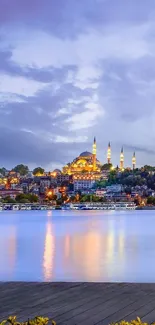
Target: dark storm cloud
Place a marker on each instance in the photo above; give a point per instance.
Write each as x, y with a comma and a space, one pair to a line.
140, 149
30, 149
44, 75
28, 128
124, 86
41, 110
71, 17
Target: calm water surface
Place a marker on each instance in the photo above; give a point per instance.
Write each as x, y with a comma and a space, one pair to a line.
77, 246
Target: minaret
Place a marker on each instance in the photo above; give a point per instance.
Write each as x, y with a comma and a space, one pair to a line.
134, 161
94, 154
109, 154
122, 159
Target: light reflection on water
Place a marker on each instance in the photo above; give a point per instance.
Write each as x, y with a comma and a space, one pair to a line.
49, 250
77, 246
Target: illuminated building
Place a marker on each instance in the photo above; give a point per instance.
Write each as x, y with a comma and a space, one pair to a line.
109, 154
85, 181
86, 162
134, 161
122, 159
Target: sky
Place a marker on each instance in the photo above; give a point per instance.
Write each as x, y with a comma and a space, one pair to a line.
74, 69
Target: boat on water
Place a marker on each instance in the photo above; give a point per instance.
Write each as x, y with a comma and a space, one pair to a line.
7, 207
15, 207
23, 207
58, 207
104, 206
72, 206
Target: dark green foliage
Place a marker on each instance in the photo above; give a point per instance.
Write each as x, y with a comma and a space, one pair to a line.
8, 199
106, 167
21, 169
92, 198
27, 198
38, 170
151, 200
2, 171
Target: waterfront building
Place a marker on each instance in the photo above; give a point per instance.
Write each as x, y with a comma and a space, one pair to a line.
109, 154
134, 161
100, 192
122, 159
85, 162
85, 181
10, 193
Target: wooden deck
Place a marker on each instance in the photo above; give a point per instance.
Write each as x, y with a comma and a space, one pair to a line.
78, 303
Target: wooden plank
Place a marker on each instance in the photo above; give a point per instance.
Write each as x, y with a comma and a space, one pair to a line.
150, 317
94, 305
44, 309
37, 293
87, 294
78, 303
122, 313
108, 314
145, 312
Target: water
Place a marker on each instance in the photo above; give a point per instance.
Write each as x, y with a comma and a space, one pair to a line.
77, 246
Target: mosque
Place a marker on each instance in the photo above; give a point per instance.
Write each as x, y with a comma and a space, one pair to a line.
87, 162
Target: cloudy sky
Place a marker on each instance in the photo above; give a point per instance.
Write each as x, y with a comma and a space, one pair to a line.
72, 69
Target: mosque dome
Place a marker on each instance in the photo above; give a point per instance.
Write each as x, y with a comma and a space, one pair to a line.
86, 154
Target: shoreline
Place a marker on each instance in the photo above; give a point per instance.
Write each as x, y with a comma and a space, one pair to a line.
145, 208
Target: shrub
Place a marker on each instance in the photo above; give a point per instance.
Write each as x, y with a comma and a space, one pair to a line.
133, 322
35, 321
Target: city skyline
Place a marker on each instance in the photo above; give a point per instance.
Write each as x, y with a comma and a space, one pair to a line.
108, 155
71, 69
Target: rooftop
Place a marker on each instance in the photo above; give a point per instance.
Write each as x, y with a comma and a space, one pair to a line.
86, 154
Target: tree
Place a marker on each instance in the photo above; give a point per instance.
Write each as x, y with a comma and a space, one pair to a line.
32, 198
73, 199
106, 167
84, 198
38, 171
2, 171
21, 169
148, 168
8, 199
26, 198
150, 200
100, 184
54, 197
59, 201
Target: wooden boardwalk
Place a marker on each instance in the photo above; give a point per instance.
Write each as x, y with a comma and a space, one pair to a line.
78, 303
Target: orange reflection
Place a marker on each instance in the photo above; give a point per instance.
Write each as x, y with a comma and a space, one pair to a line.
48, 253
67, 246
86, 252
49, 213
9, 243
